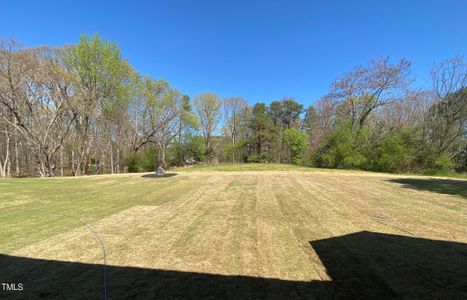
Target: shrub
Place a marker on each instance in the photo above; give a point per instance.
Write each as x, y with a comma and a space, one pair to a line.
296, 142
141, 161
397, 152
342, 149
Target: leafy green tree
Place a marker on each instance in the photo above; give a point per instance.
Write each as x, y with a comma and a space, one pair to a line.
262, 134
98, 70
342, 149
188, 121
397, 152
194, 147
285, 112
310, 122
296, 143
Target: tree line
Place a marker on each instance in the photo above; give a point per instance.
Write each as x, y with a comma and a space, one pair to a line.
82, 109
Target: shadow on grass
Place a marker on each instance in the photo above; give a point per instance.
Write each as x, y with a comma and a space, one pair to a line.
160, 176
373, 265
441, 186
63, 280
363, 265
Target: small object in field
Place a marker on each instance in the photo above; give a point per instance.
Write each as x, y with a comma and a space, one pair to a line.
160, 171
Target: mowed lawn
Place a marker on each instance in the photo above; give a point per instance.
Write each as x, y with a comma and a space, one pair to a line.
238, 232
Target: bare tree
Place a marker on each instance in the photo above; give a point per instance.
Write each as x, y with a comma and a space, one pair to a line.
326, 113
12, 77
79, 107
39, 103
208, 109
448, 116
233, 109
155, 110
5, 139
169, 112
366, 88
410, 112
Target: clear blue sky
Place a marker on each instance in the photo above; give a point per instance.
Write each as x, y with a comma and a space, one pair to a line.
260, 50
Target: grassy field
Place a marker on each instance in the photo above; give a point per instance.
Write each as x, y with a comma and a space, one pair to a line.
244, 167
238, 232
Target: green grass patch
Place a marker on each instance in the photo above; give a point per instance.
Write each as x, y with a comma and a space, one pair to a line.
34, 209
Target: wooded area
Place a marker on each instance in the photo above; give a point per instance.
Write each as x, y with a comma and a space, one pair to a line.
83, 109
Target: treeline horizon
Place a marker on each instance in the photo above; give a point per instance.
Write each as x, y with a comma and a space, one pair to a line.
82, 109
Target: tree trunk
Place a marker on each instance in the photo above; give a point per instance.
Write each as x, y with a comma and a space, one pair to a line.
233, 149
111, 158
73, 162
61, 161
3, 167
163, 164
118, 160
50, 168
8, 168
161, 156
16, 157
207, 150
